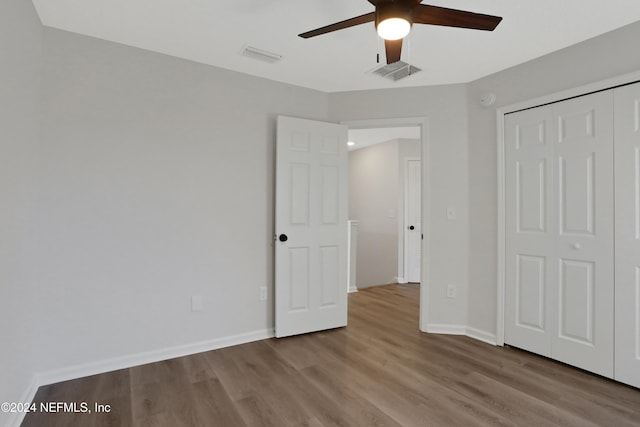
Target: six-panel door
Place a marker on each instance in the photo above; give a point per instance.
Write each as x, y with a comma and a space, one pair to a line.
582, 305
310, 226
530, 229
559, 236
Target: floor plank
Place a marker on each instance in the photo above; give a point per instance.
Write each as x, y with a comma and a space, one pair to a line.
378, 371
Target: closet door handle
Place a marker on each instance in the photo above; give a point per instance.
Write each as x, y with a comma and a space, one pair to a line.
576, 246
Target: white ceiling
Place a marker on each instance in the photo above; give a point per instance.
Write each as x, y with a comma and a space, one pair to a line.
215, 32
366, 137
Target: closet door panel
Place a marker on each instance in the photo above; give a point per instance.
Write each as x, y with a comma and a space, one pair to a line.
627, 208
559, 236
528, 155
582, 307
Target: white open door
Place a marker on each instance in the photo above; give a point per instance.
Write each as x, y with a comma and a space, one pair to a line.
413, 221
311, 226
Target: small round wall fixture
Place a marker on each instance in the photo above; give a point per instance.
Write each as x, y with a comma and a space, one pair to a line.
488, 99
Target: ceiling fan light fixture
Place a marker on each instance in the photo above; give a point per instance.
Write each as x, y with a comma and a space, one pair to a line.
394, 28
393, 20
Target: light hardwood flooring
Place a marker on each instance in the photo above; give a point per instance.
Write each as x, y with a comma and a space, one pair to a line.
378, 371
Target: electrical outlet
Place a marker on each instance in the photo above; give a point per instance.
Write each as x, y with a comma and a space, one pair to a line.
263, 293
451, 291
451, 213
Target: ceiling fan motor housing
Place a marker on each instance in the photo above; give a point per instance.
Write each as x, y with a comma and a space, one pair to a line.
393, 10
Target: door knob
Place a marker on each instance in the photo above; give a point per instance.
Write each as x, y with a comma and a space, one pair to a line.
411, 227
283, 238
576, 246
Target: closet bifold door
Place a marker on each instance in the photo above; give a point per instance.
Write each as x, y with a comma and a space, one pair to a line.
559, 288
582, 303
627, 246
529, 236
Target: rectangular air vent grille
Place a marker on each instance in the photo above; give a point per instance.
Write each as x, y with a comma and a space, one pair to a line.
396, 71
260, 54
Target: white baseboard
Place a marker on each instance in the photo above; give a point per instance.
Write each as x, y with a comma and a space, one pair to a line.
107, 365
113, 364
352, 289
401, 280
438, 328
27, 396
482, 336
434, 328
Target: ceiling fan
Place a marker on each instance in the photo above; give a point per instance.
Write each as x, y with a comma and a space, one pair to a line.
394, 18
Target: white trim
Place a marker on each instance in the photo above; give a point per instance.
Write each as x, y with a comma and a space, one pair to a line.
501, 232
439, 328
99, 367
483, 336
352, 254
474, 333
27, 396
573, 92
400, 223
401, 280
500, 113
425, 252
423, 123
108, 365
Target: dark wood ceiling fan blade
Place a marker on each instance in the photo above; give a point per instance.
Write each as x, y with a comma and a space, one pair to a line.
362, 19
435, 15
393, 49
408, 2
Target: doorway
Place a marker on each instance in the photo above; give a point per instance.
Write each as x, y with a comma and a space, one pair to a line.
384, 176
304, 138
385, 201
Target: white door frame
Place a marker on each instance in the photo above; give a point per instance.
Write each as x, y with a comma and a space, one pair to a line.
423, 124
500, 113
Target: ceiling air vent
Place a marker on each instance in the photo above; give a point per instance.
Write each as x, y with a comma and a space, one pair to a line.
396, 71
260, 54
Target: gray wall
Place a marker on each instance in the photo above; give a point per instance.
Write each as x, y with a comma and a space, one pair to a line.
603, 57
20, 63
373, 193
131, 181
157, 185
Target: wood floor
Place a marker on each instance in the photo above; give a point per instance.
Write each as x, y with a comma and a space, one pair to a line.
378, 371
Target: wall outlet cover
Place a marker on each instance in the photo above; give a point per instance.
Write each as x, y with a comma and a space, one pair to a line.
451, 213
451, 291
